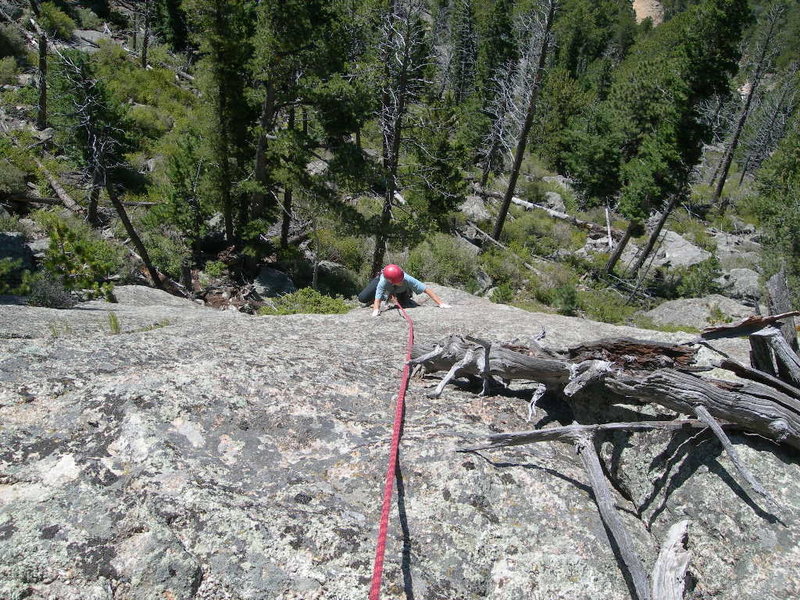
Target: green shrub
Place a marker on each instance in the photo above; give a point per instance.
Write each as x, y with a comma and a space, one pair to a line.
215, 268
11, 43
56, 22
77, 254
349, 251
12, 179
88, 19
687, 282
503, 267
564, 299
10, 275
442, 259
45, 289
698, 280
502, 294
605, 305
306, 300
8, 70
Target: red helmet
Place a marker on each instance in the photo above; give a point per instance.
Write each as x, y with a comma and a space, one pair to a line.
393, 273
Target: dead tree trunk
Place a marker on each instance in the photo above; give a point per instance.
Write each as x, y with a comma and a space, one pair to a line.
133, 235
778, 301
651, 242
620, 247
774, 18
530, 113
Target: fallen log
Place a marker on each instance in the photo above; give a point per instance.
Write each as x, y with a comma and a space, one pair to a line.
642, 372
576, 222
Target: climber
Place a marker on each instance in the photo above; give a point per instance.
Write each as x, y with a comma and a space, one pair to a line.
395, 286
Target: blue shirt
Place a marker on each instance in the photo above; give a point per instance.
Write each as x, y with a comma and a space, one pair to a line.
386, 288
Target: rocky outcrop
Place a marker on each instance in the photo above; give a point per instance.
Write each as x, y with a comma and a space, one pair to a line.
215, 455
699, 313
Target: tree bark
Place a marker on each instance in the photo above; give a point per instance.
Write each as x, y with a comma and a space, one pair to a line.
620, 247
266, 121
778, 302
135, 239
146, 33
651, 242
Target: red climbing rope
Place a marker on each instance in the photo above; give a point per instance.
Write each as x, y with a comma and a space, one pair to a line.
377, 570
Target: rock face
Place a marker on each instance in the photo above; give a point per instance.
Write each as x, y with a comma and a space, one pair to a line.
215, 455
699, 312
271, 282
744, 284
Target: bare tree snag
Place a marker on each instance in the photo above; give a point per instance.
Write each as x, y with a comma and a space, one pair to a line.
541, 38
584, 446
59, 189
779, 302
669, 572
761, 377
786, 360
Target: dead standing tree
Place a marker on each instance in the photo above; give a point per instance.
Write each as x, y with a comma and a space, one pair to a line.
538, 28
100, 141
765, 403
405, 53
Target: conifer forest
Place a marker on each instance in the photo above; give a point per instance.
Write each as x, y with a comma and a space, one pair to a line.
538, 152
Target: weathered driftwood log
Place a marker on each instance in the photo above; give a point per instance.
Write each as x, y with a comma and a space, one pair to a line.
633, 370
786, 360
746, 326
779, 302
452, 351
670, 568
754, 406
746, 372
669, 572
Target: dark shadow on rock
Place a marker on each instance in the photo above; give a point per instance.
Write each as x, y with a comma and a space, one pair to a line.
408, 582
504, 465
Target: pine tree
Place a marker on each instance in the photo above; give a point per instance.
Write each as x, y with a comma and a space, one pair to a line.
221, 30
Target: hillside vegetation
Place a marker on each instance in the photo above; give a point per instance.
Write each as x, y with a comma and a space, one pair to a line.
196, 145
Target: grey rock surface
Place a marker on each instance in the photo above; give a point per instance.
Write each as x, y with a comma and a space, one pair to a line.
744, 284
475, 208
677, 251
271, 282
218, 455
555, 201
699, 312
737, 250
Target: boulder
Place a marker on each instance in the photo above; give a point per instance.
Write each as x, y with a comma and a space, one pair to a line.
560, 180
698, 313
677, 251
555, 201
271, 282
743, 284
475, 208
